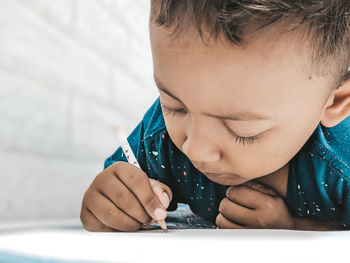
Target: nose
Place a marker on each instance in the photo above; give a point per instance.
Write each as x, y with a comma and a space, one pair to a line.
199, 147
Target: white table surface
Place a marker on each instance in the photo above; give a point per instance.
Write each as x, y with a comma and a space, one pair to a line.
67, 241
70, 244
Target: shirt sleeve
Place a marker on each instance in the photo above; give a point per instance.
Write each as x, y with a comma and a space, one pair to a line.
319, 178
136, 143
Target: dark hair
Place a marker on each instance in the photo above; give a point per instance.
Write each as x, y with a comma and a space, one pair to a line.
326, 24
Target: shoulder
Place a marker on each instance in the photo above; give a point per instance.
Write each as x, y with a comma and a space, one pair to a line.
153, 121
328, 149
319, 174
332, 146
150, 128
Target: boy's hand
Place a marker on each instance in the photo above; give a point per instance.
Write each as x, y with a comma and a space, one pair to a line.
122, 197
253, 205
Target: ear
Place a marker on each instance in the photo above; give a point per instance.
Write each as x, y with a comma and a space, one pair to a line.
338, 106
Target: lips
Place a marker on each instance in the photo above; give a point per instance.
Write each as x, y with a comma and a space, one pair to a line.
216, 174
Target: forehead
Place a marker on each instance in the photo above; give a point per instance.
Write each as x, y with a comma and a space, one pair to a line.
267, 49
276, 36
266, 71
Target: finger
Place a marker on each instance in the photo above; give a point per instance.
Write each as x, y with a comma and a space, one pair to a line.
247, 197
162, 196
91, 223
222, 222
261, 188
137, 181
163, 186
237, 213
122, 197
162, 191
110, 215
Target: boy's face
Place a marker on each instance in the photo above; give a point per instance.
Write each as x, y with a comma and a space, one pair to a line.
237, 113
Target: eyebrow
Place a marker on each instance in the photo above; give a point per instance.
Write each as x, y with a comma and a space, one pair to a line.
239, 116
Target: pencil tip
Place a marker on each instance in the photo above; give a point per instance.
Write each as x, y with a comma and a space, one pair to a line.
162, 225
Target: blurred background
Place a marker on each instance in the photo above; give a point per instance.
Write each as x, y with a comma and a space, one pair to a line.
70, 70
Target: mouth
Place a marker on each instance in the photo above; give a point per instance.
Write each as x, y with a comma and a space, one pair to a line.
220, 175
225, 178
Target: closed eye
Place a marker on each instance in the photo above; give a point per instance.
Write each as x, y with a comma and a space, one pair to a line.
245, 140
168, 110
238, 139
241, 139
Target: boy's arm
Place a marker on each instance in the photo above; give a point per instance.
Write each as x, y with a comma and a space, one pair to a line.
310, 224
278, 181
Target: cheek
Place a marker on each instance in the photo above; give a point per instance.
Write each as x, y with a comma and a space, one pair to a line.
270, 153
256, 159
175, 127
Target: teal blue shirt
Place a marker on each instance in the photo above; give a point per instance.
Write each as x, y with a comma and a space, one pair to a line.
318, 181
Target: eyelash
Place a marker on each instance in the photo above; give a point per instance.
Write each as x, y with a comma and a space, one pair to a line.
168, 111
242, 140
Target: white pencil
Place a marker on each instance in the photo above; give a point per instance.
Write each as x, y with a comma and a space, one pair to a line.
130, 156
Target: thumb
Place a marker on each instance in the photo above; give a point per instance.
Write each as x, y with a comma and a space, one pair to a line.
261, 188
162, 191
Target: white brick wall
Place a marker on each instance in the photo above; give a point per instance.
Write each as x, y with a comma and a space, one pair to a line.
68, 69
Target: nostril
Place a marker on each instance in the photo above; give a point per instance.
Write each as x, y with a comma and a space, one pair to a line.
200, 150
215, 156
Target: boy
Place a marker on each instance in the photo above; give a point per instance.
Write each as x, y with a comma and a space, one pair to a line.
251, 128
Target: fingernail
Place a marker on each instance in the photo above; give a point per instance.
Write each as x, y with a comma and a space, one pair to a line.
229, 191
165, 200
159, 214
